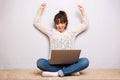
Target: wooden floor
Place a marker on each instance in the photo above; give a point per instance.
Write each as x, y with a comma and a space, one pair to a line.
88, 74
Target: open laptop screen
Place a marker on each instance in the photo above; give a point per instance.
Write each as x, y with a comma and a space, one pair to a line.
64, 56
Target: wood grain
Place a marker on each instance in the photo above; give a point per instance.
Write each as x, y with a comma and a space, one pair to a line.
35, 74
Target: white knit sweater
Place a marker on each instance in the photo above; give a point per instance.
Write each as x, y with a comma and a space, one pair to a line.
64, 40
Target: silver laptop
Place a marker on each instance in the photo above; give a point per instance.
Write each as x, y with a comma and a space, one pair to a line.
64, 56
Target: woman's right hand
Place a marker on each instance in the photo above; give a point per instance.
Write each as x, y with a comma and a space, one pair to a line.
42, 6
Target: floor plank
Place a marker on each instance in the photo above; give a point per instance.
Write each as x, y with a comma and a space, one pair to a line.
88, 74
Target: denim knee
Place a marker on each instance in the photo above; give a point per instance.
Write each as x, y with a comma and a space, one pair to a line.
41, 63
85, 62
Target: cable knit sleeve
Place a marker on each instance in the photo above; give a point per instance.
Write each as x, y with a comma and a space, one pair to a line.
82, 27
38, 25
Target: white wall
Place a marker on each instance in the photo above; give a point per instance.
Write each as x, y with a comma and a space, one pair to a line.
21, 44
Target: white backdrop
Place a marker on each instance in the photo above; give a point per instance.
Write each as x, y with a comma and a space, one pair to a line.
21, 44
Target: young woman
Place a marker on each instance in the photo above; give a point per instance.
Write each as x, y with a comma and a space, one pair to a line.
61, 38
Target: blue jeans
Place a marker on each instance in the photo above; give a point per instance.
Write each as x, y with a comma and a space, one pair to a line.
63, 70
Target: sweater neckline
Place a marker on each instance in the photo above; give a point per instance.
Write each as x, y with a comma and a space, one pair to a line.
61, 33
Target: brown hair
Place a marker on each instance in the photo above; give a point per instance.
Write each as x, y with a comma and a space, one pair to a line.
61, 17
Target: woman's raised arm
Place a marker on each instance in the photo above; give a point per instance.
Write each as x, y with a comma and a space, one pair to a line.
84, 23
37, 22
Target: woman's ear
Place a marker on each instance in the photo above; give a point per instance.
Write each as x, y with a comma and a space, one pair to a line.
55, 26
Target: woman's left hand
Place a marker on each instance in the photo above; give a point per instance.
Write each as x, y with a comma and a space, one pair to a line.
81, 9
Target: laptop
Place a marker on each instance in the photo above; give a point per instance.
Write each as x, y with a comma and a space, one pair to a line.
64, 56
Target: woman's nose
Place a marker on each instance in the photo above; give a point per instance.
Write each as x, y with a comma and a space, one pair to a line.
60, 24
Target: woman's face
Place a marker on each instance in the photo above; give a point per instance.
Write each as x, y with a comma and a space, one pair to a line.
61, 27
